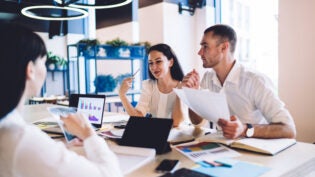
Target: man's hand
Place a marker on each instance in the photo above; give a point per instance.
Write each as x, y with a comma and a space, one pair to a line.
191, 80
232, 128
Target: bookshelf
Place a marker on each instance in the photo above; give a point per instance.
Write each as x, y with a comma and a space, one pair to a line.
85, 63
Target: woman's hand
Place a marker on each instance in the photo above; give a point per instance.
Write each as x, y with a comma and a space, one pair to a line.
125, 86
78, 125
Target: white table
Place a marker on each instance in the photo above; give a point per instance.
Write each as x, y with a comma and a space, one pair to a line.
298, 160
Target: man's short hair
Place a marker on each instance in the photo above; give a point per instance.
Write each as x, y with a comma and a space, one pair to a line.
224, 32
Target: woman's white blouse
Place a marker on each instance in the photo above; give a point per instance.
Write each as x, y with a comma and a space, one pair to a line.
26, 151
154, 102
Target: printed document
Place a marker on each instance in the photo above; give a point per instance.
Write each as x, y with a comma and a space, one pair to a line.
209, 105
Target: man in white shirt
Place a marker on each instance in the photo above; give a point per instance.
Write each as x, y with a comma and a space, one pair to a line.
256, 110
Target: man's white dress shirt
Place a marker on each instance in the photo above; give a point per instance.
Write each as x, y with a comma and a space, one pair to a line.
250, 96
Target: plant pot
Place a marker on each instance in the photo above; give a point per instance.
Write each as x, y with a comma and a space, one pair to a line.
137, 51
60, 67
124, 52
51, 66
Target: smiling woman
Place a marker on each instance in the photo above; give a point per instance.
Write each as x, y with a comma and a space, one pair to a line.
157, 97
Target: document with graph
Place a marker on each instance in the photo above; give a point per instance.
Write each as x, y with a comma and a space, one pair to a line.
206, 151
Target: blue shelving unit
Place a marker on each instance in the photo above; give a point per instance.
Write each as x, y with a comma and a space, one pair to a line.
83, 68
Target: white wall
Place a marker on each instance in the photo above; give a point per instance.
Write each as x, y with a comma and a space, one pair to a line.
125, 31
151, 23
180, 34
54, 81
161, 23
57, 45
297, 63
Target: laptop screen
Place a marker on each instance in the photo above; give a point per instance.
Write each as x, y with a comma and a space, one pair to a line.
91, 105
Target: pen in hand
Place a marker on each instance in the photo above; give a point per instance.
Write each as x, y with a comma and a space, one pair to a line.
134, 74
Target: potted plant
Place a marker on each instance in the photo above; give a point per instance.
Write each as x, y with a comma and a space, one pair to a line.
52, 60
139, 52
117, 42
104, 83
62, 63
87, 46
118, 48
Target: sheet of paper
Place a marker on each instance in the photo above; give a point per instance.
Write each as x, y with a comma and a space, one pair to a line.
207, 104
240, 168
132, 158
206, 151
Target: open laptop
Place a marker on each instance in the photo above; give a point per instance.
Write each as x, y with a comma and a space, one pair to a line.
147, 132
88, 104
92, 105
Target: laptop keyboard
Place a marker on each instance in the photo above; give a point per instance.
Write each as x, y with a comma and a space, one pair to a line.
184, 172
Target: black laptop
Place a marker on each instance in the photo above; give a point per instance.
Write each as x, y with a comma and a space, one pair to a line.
147, 132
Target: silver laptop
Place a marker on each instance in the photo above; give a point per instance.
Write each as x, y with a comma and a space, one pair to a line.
88, 104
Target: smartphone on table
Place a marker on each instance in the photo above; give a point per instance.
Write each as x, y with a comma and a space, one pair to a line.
167, 165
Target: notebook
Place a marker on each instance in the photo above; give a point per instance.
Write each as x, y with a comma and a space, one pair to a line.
147, 132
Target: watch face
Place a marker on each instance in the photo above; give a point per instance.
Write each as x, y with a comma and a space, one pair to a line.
250, 132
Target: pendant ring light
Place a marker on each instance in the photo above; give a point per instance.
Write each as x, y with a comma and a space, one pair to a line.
94, 6
78, 13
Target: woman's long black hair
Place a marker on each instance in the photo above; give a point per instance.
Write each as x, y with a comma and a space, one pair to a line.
18, 46
176, 70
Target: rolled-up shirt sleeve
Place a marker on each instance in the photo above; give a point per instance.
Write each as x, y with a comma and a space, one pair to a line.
269, 103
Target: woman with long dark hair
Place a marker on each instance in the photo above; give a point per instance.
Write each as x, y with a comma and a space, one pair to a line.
157, 98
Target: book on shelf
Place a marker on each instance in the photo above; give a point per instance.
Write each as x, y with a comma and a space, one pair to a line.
264, 146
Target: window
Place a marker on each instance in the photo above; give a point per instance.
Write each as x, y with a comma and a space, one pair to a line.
256, 24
